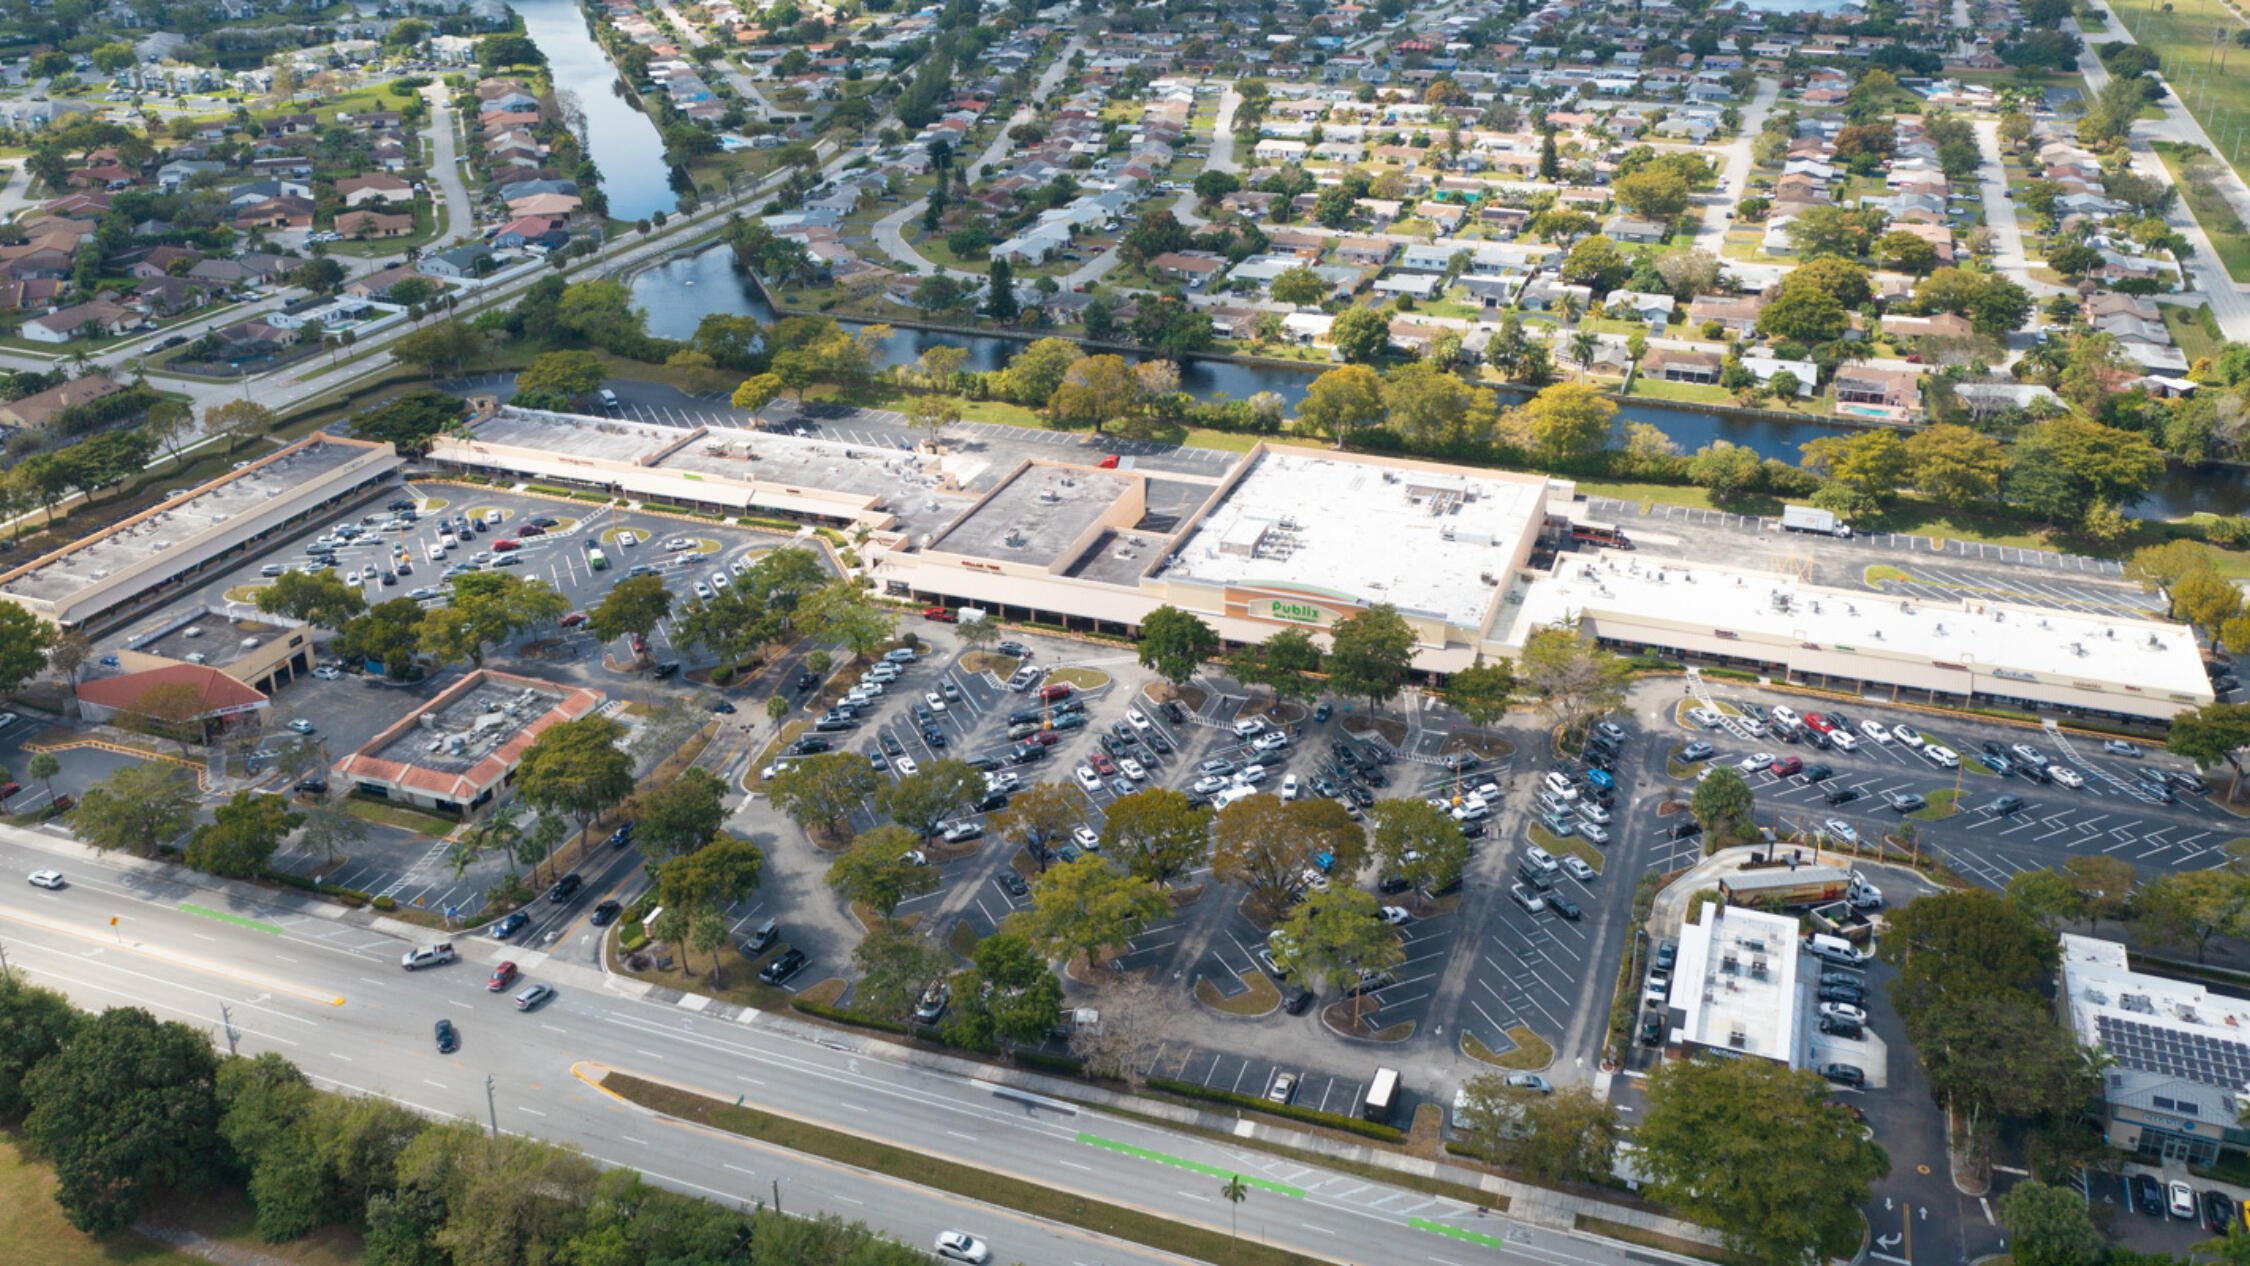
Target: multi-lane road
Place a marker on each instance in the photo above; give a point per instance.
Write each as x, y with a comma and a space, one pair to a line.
325, 989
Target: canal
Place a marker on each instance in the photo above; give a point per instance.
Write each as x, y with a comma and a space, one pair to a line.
682, 291
622, 141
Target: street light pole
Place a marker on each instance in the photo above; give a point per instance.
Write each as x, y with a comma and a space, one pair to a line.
226, 1025
491, 1108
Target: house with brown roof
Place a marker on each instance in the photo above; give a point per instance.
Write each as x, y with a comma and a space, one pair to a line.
373, 189
358, 225
1195, 268
34, 412
1738, 313
1870, 392
1672, 364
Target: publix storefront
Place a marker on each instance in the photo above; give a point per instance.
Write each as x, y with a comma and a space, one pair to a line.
1251, 612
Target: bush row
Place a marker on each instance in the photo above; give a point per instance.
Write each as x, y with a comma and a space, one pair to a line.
1295, 1112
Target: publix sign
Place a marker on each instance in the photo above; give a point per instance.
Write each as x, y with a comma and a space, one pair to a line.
1293, 612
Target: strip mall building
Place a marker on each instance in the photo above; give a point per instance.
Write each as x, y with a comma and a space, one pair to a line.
1291, 537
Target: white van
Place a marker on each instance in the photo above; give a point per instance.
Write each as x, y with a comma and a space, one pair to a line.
1834, 949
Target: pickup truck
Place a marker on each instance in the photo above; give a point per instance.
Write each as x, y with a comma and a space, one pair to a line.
426, 956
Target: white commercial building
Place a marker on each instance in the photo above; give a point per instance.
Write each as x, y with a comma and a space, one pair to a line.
1734, 985
1291, 537
122, 569
2176, 1077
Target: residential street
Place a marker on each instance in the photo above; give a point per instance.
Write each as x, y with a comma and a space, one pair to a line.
1734, 173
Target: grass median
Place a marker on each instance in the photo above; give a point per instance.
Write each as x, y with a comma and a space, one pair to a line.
924, 1170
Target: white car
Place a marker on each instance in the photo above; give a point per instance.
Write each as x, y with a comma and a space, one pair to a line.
48, 879
702, 591
2067, 776
1270, 741
327, 674
1086, 838
1907, 734
1704, 717
1134, 718
1841, 829
1843, 1011
1396, 916
1132, 769
301, 726
935, 700
904, 765
1088, 779
1756, 762
1208, 784
1593, 812
1577, 869
1875, 730
1288, 784
678, 543
1561, 785
1782, 715
1251, 775
1248, 726
1940, 755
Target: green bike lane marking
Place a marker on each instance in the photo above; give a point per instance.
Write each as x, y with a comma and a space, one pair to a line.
1197, 1167
1456, 1233
255, 925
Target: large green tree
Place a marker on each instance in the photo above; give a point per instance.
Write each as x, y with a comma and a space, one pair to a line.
35, 1023
1569, 1135
923, 800
879, 870
127, 1108
25, 640
1574, 680
1007, 997
820, 792
1157, 834
1723, 804
242, 835
1371, 653
1265, 843
136, 808
681, 816
1084, 906
576, 770
1751, 1147
1174, 643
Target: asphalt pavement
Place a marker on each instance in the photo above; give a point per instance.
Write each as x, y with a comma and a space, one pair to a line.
326, 991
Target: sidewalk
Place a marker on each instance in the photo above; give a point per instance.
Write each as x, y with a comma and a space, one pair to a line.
1534, 1205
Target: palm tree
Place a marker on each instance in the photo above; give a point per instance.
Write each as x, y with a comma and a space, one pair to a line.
1583, 346
1567, 307
496, 832
1235, 1191
44, 767
460, 855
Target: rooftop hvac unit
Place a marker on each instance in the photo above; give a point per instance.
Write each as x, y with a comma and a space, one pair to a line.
163, 545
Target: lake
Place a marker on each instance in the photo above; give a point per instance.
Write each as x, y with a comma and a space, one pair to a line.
681, 292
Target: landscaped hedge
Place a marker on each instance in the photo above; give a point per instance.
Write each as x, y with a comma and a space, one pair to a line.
1068, 1065
844, 1015
1310, 1116
1730, 674
549, 490
658, 507
631, 936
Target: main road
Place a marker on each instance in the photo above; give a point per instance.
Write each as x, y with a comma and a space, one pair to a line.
324, 988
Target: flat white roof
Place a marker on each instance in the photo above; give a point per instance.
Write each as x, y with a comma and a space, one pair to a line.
1993, 638
1436, 543
1734, 982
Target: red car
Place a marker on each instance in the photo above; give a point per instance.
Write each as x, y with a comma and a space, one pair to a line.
1044, 738
1788, 765
504, 544
1108, 463
573, 620
1102, 764
939, 614
1059, 690
503, 976
8, 789
1819, 722
531, 529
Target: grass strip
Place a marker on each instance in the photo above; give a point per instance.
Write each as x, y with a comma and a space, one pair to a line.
1258, 997
1193, 1167
1572, 845
1659, 1240
1531, 1050
1941, 804
1378, 1173
921, 1169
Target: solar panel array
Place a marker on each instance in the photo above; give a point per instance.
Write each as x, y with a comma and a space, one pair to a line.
2197, 1057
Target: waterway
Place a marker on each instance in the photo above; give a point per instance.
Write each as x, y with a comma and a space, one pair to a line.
682, 291
622, 141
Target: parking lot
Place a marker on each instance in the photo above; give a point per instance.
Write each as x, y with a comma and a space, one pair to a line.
1987, 840
345, 710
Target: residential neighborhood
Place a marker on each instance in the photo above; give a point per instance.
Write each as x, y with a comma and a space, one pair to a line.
1486, 632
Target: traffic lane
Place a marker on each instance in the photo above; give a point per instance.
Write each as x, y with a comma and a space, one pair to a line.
530, 1096
797, 1073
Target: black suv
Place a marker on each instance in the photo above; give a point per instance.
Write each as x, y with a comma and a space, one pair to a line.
791, 961
565, 888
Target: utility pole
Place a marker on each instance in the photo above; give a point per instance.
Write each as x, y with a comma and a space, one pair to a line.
491, 1108
226, 1025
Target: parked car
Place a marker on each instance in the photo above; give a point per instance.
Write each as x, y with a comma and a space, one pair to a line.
1844, 1074
787, 964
